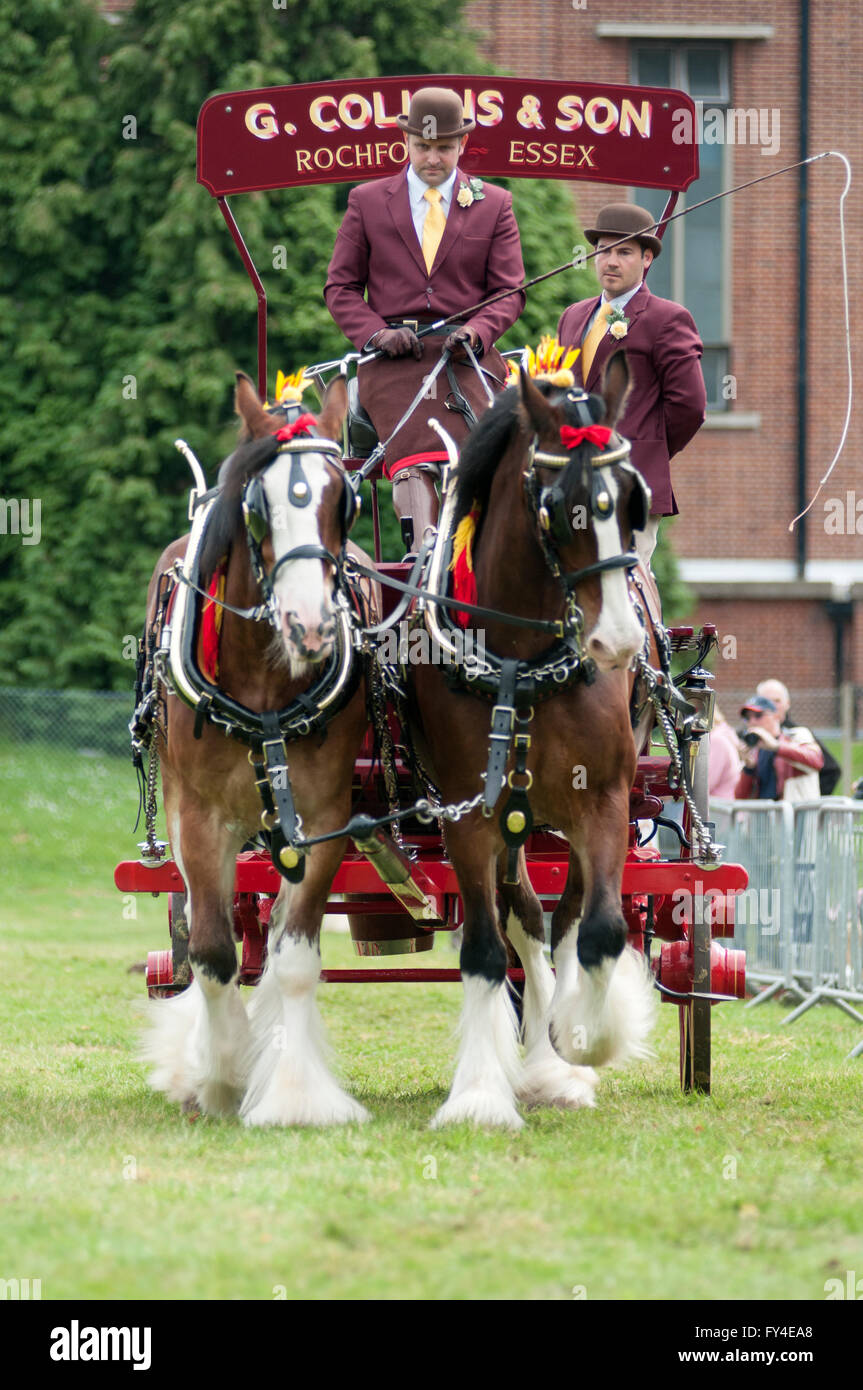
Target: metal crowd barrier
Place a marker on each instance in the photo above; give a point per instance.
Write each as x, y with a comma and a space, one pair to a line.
800, 920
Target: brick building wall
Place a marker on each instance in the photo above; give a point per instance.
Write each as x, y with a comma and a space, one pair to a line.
737, 486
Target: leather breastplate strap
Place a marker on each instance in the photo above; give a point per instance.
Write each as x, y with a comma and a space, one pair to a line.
502, 730
516, 818
279, 819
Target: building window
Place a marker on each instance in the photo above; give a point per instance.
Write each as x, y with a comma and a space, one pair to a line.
694, 267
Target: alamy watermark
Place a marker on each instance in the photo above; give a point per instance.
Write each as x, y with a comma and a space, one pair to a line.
21, 517
77, 1343
406, 646
844, 516
720, 125
850, 1288
17, 1290
752, 907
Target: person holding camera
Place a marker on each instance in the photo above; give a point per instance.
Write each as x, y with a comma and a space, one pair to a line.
778, 693
780, 764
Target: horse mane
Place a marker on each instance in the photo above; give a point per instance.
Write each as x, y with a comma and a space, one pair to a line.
225, 525
491, 436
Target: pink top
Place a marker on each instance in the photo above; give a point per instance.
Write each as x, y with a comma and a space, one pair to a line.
725, 762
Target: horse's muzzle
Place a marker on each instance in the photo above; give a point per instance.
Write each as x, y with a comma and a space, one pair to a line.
311, 644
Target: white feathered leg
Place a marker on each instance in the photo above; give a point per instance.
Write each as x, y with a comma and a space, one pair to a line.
488, 1064
602, 1015
546, 1079
290, 1082
198, 1046
198, 1041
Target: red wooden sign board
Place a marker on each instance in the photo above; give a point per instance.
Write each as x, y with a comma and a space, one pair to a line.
334, 132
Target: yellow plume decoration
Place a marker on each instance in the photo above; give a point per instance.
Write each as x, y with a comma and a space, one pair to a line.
550, 362
291, 388
463, 542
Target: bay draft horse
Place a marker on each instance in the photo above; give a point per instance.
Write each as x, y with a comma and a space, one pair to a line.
207, 1052
582, 759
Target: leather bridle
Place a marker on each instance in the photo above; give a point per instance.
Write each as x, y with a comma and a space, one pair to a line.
548, 507
257, 517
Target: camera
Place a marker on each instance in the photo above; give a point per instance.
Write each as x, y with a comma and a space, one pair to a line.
750, 738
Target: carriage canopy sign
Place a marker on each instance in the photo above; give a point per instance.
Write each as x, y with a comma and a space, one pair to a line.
334, 132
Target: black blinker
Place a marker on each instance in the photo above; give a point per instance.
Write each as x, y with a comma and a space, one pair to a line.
255, 509
639, 506
553, 503
351, 503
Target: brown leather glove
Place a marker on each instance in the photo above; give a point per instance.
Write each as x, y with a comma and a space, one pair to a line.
456, 340
398, 342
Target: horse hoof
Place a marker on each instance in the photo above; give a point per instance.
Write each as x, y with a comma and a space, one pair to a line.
574, 1049
551, 1082
609, 1017
302, 1112
480, 1109
218, 1098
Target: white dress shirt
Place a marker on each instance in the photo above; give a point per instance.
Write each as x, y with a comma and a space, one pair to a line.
620, 302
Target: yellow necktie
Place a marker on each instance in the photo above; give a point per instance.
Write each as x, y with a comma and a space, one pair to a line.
593, 339
433, 227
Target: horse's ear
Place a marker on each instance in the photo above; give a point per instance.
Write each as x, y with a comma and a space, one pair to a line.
334, 408
255, 419
537, 412
615, 386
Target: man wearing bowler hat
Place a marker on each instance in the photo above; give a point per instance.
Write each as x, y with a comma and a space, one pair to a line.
665, 405
426, 244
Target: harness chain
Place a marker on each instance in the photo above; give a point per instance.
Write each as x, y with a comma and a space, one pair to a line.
707, 850
385, 742
145, 723
153, 849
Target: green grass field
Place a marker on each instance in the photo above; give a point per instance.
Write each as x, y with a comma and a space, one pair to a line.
107, 1191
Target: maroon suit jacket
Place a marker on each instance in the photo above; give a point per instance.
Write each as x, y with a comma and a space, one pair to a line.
665, 406
377, 250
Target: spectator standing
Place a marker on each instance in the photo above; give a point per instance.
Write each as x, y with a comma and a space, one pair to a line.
782, 764
725, 759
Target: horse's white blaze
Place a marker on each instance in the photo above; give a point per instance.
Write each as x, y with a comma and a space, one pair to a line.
303, 588
290, 1082
602, 1015
618, 635
488, 1064
198, 1041
546, 1079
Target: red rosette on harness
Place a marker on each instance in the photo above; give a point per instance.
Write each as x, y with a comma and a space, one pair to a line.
302, 425
571, 436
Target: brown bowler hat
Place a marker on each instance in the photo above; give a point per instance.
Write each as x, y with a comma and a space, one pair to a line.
436, 113
624, 219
